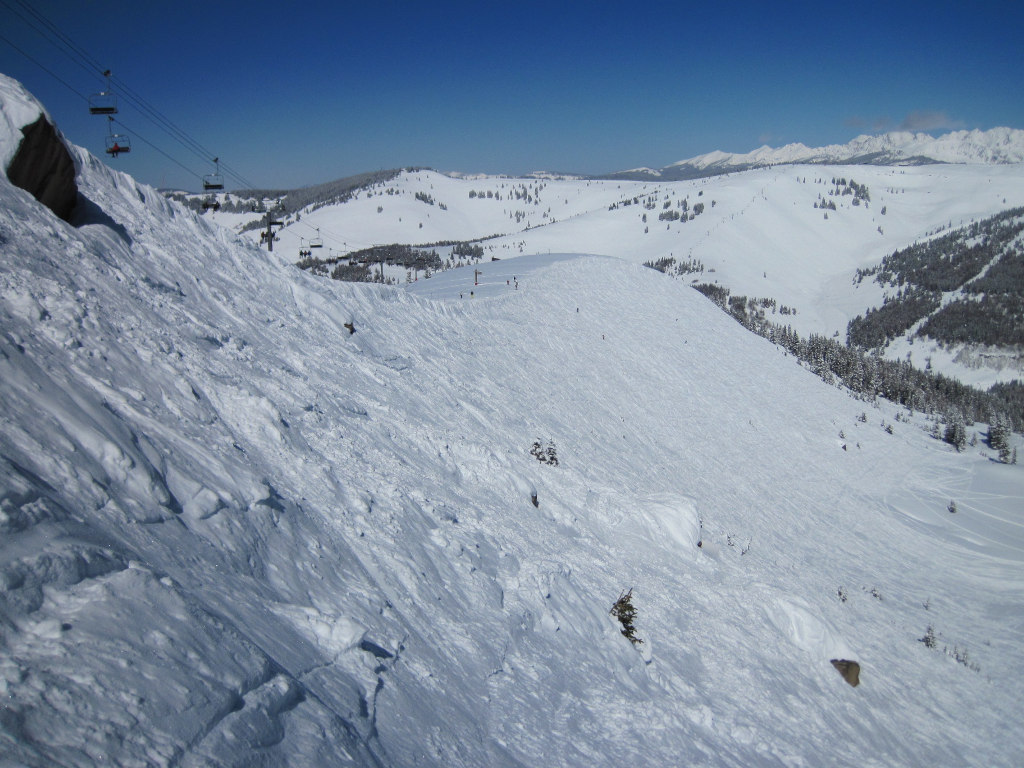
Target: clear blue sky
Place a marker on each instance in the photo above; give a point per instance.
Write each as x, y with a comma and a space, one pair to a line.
296, 94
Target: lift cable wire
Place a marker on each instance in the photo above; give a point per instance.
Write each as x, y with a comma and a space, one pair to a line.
144, 140
335, 237
48, 71
348, 245
71, 49
87, 62
71, 88
81, 57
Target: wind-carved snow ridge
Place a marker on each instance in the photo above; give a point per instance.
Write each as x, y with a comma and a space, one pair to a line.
233, 532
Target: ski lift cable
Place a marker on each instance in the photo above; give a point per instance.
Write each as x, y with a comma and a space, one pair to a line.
324, 232
155, 116
84, 59
348, 244
48, 71
144, 140
51, 31
82, 96
81, 57
60, 40
338, 240
229, 171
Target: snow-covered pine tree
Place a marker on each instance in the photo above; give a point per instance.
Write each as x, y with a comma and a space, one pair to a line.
956, 430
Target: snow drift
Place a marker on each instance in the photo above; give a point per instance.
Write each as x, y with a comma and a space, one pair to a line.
235, 533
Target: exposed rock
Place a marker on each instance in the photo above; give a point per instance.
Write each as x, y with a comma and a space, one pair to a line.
43, 167
850, 670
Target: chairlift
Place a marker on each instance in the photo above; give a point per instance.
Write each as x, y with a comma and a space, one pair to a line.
104, 102
316, 242
117, 142
211, 201
213, 180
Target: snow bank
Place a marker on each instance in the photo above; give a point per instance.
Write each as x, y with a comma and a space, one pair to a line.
18, 108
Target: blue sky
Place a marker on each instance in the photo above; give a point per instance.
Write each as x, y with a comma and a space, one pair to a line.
295, 94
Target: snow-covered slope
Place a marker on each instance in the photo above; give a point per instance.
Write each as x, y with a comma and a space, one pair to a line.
762, 233
235, 533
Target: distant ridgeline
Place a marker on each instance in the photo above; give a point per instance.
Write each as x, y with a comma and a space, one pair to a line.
982, 263
316, 196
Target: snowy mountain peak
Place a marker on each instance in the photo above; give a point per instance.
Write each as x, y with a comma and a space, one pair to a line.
995, 146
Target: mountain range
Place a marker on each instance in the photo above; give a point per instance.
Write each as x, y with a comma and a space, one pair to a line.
902, 148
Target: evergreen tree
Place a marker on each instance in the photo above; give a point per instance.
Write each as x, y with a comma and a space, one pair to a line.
956, 430
999, 433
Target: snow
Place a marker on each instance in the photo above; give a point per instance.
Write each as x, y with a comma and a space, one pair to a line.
761, 234
233, 533
997, 145
18, 108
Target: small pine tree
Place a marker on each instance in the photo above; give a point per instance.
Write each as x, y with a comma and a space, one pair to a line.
929, 638
624, 611
999, 436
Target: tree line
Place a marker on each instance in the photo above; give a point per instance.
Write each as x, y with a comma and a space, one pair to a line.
870, 375
984, 262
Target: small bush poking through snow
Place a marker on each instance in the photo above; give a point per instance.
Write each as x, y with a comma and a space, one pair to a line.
624, 611
545, 455
929, 638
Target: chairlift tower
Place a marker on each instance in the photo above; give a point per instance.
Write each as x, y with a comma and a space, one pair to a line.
268, 234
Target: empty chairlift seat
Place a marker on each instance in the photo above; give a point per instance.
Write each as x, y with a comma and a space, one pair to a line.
213, 181
104, 102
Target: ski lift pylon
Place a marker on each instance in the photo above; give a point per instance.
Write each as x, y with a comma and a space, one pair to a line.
104, 102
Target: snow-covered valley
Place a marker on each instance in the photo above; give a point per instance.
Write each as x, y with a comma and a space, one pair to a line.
249, 516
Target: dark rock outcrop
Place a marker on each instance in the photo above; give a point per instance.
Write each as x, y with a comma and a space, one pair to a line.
43, 167
850, 670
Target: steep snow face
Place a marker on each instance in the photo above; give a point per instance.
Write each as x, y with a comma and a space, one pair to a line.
18, 108
995, 146
235, 532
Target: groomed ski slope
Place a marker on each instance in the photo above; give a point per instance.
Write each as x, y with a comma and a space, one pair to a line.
235, 533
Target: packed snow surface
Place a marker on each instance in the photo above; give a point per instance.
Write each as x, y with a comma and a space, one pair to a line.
236, 532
